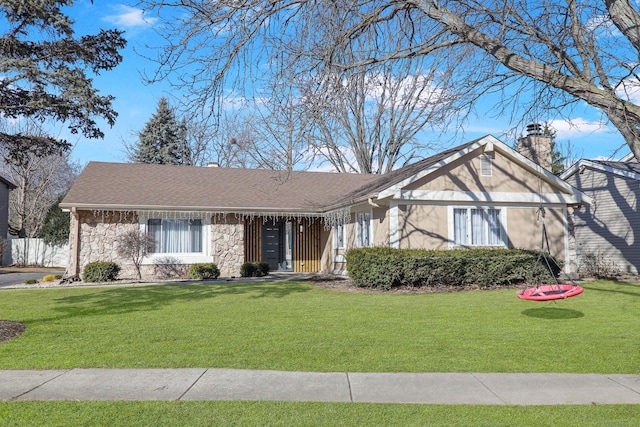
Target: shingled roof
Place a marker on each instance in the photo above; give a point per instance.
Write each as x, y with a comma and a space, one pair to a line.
630, 166
158, 187
139, 186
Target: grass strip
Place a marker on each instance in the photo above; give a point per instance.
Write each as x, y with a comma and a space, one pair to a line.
71, 414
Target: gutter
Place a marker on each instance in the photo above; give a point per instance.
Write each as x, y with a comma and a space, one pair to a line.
67, 207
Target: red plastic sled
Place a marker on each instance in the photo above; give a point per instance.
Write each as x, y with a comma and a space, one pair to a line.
550, 292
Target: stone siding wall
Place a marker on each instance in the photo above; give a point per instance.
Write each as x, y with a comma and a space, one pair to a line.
227, 246
98, 237
99, 234
73, 269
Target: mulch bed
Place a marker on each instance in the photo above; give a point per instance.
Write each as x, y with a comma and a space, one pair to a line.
10, 330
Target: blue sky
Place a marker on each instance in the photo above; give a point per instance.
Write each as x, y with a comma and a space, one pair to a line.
588, 134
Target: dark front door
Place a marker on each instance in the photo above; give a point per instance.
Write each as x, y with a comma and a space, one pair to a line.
271, 247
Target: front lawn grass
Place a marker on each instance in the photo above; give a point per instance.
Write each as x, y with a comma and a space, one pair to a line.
297, 326
71, 414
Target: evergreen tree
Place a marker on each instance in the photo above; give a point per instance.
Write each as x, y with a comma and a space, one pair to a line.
56, 225
557, 159
43, 68
163, 139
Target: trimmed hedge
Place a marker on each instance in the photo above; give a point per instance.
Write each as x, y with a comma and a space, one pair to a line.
202, 271
254, 269
101, 271
384, 267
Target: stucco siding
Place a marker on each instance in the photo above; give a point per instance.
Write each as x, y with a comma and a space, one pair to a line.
608, 228
464, 175
423, 226
380, 219
524, 229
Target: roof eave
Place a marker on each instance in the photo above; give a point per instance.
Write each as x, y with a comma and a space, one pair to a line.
603, 168
225, 209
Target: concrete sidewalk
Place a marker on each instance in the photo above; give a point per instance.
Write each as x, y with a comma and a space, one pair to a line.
235, 384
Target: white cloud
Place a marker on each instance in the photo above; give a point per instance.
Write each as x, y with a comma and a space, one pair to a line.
630, 90
393, 91
493, 127
579, 127
129, 17
233, 100
319, 159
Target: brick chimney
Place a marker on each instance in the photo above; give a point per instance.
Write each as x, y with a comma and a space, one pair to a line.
536, 146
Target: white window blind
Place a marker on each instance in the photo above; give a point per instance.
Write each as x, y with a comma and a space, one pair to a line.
478, 227
363, 229
176, 235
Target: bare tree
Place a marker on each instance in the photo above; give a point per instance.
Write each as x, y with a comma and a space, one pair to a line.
367, 120
197, 139
40, 180
361, 119
232, 141
134, 245
280, 129
577, 51
266, 133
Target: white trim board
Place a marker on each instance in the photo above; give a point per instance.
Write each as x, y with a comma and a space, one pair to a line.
485, 197
598, 166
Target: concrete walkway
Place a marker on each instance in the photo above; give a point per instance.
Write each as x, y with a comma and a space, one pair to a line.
235, 384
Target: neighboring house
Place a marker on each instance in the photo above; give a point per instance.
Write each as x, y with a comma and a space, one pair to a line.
482, 193
608, 231
5, 187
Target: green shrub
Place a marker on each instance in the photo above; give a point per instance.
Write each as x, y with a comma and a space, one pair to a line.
101, 271
374, 267
248, 269
254, 269
384, 267
204, 271
57, 276
49, 278
30, 281
262, 268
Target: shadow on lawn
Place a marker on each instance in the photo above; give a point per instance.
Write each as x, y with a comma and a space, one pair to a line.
635, 292
130, 299
553, 313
